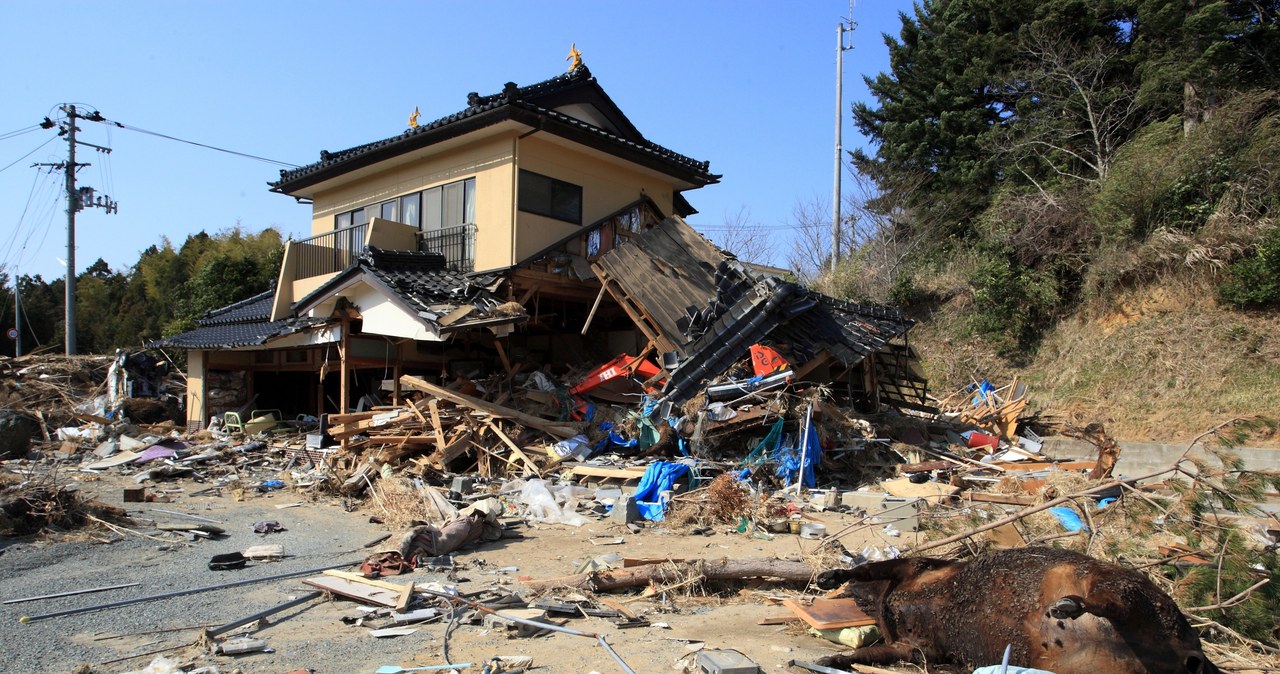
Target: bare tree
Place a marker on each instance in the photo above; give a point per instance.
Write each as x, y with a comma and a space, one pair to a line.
747, 239
1079, 114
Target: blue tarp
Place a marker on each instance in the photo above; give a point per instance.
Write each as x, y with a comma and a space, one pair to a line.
657, 478
788, 460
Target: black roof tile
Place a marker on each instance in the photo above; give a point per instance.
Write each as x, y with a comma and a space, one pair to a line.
510, 98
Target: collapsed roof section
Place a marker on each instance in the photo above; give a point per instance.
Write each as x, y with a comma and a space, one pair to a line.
421, 285
707, 308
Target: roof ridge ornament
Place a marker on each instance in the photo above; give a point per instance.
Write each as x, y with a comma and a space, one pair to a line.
413, 119
574, 57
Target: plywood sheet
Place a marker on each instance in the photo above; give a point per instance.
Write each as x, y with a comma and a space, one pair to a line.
830, 614
353, 590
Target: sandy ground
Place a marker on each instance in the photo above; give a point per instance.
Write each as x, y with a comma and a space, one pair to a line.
313, 636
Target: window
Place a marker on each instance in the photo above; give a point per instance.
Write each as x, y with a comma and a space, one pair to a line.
552, 198
442, 207
448, 206
409, 209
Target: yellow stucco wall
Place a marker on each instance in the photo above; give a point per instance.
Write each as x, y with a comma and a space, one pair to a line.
488, 160
606, 187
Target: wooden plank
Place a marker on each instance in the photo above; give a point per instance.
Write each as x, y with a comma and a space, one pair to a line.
434, 405
780, 619
592, 314
515, 451
401, 440
1005, 499
353, 590
357, 578
552, 428
365, 424
830, 614
597, 471
502, 355
338, 419
1028, 466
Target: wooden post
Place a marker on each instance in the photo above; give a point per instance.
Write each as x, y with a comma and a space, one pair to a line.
587, 323
342, 374
395, 386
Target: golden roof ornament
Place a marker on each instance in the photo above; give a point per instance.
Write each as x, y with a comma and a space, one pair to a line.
574, 57
413, 119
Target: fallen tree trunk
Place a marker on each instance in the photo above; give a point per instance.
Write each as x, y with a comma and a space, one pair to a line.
674, 572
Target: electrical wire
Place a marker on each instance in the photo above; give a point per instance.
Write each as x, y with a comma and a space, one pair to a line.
51, 138
18, 228
192, 142
19, 132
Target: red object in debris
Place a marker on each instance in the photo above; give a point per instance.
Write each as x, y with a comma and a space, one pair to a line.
766, 361
621, 366
977, 439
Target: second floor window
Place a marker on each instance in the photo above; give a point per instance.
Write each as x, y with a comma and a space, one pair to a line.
543, 195
432, 209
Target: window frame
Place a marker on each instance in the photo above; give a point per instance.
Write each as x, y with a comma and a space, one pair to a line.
465, 205
555, 188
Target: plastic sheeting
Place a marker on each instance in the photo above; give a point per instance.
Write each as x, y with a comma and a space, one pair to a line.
660, 476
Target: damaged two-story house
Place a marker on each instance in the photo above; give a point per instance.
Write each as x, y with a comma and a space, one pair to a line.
535, 228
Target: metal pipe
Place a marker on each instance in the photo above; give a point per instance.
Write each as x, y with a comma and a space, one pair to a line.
262, 614
71, 592
179, 593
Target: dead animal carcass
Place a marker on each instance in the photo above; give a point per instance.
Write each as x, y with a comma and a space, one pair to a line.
1060, 610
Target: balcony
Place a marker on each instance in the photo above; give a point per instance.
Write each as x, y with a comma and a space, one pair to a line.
457, 244
329, 252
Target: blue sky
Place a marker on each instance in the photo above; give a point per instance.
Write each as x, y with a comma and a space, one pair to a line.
747, 85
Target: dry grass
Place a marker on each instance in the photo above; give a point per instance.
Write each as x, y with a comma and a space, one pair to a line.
1163, 363
402, 505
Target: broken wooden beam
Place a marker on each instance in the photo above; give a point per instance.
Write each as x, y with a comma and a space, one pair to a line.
558, 429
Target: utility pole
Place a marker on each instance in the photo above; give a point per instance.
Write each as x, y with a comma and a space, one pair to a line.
76, 200
17, 318
71, 229
841, 29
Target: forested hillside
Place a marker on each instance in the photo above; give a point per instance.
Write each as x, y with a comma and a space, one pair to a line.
162, 294
1083, 194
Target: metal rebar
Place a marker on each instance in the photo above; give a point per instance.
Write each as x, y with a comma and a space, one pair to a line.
223, 629
178, 593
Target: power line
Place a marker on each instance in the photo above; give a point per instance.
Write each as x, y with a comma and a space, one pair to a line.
19, 132
192, 142
17, 229
51, 138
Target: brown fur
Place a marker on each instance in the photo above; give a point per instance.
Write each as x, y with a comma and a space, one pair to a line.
1059, 610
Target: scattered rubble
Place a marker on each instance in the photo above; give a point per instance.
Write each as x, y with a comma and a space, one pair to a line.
454, 466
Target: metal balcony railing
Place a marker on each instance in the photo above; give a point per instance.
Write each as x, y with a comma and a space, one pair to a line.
329, 252
458, 244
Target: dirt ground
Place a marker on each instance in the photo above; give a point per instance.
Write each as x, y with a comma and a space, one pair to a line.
313, 636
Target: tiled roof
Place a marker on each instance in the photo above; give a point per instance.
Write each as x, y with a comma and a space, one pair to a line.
243, 323
423, 284
421, 280
256, 308
502, 105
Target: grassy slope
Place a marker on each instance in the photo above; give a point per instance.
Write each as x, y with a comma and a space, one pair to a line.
1163, 363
